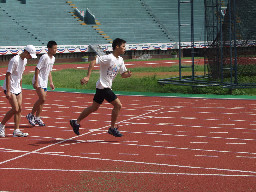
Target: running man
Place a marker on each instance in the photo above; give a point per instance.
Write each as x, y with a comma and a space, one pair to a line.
110, 65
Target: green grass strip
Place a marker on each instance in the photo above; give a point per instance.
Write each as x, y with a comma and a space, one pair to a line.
148, 94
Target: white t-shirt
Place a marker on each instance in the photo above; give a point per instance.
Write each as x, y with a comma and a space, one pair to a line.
109, 67
44, 65
16, 67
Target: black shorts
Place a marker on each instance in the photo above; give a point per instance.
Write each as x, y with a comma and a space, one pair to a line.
102, 94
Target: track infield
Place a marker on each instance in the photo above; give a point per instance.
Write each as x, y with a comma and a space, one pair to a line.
169, 144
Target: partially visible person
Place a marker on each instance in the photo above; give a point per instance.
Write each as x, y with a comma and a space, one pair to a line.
13, 89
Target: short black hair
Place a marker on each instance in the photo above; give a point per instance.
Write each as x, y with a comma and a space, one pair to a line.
51, 43
117, 42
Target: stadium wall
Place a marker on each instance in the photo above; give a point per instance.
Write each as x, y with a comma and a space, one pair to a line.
77, 57
74, 53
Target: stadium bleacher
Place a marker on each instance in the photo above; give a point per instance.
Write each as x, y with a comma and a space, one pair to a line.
41, 21
167, 13
124, 19
37, 22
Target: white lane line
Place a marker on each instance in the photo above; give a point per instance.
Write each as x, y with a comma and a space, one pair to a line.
128, 154
157, 164
52, 152
154, 131
205, 156
239, 128
225, 124
35, 151
129, 172
236, 143
12, 150
220, 132
148, 163
197, 136
164, 124
166, 155
191, 149
164, 62
246, 157
91, 153
189, 118
151, 63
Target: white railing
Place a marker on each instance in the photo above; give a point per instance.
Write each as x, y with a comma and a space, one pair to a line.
9, 50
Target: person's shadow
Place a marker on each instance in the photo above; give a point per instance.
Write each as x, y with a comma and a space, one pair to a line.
21, 126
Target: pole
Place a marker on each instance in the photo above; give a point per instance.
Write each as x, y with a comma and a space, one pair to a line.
192, 40
235, 48
179, 40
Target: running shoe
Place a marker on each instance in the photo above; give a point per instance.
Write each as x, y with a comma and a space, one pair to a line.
2, 130
19, 133
31, 119
39, 121
75, 126
114, 132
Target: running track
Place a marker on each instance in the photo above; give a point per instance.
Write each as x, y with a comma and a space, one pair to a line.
169, 144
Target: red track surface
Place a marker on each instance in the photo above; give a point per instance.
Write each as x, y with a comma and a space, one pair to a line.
169, 144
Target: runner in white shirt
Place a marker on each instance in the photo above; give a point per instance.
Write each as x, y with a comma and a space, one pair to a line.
40, 83
44, 66
12, 89
110, 66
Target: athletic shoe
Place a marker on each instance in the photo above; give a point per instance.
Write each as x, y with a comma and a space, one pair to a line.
2, 130
19, 133
31, 119
114, 132
75, 126
39, 121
